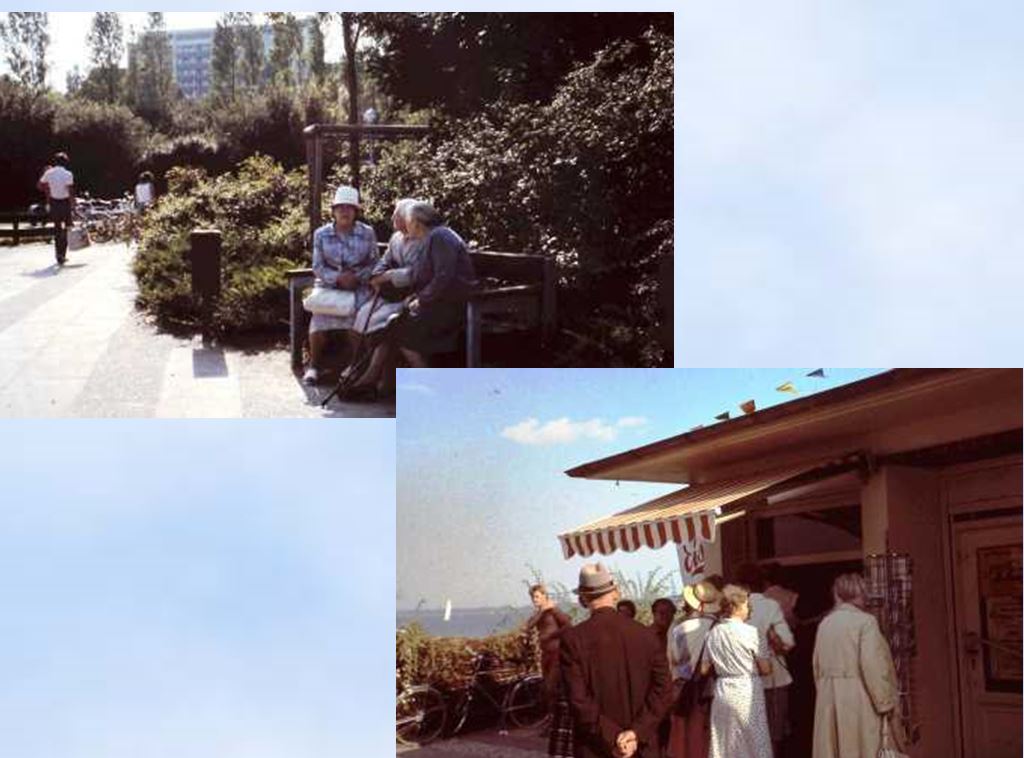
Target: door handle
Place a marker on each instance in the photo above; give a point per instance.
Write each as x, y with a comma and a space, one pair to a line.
973, 643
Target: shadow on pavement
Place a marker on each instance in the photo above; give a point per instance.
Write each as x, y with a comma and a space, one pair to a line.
208, 363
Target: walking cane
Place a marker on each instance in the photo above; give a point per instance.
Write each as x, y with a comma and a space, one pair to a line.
354, 366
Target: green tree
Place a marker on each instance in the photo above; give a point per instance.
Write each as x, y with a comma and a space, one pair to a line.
457, 62
25, 37
73, 81
154, 77
286, 49
106, 47
225, 57
317, 66
250, 43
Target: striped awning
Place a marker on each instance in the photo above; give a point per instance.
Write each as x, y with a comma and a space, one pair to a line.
683, 516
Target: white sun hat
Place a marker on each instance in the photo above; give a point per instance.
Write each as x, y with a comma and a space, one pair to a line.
346, 195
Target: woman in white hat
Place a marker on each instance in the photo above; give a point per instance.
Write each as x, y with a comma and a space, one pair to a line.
344, 253
688, 732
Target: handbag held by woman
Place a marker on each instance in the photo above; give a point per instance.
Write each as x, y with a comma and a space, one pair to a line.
330, 301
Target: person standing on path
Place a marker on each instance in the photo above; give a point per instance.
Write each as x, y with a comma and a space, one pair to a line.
616, 676
59, 185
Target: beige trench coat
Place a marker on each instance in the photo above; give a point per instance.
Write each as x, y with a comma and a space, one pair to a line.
856, 683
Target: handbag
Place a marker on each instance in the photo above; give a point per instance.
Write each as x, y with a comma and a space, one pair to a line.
329, 301
78, 238
697, 689
887, 745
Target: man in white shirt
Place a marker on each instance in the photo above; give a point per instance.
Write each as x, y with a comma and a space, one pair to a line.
59, 185
766, 614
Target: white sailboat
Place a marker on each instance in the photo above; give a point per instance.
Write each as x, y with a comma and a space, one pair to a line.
448, 609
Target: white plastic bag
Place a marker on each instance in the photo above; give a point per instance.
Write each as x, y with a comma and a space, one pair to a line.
330, 302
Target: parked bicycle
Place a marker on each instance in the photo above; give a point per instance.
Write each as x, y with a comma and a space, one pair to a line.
420, 715
518, 699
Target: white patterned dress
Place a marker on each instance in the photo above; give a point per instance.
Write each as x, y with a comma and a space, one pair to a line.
739, 722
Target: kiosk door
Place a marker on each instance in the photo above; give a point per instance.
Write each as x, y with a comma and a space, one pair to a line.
987, 579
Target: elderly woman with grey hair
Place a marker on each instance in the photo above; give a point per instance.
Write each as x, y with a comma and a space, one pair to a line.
442, 280
391, 277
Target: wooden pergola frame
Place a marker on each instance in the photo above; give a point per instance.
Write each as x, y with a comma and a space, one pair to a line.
315, 134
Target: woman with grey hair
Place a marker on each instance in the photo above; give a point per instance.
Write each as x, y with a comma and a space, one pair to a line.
854, 676
442, 279
391, 277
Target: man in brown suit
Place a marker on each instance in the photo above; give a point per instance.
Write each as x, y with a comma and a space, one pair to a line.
616, 676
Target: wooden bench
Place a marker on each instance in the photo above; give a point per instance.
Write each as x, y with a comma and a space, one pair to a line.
25, 225
525, 300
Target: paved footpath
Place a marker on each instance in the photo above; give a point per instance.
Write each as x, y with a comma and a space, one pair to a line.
72, 344
520, 743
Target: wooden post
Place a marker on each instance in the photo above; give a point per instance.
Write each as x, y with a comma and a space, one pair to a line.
295, 321
314, 167
16, 235
205, 259
472, 335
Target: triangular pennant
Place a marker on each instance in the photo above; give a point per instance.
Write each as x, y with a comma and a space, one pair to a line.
723, 416
818, 373
787, 387
748, 407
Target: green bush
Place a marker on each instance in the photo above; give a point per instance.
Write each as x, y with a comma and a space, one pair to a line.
270, 124
259, 210
26, 134
444, 661
585, 179
194, 150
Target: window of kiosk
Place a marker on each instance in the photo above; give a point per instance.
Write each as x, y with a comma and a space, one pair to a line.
821, 531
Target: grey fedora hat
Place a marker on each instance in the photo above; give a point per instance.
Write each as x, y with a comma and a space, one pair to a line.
595, 580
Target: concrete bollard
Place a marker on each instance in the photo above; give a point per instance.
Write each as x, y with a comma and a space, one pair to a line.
204, 255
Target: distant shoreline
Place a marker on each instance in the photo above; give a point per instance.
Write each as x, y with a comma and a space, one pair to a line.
465, 622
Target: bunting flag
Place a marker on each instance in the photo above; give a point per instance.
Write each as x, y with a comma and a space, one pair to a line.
818, 373
724, 416
787, 387
748, 407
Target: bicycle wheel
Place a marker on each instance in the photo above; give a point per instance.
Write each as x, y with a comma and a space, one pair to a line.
460, 713
525, 706
419, 715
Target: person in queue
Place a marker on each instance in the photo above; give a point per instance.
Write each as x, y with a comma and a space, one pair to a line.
626, 607
688, 732
768, 617
344, 253
615, 674
739, 657
857, 688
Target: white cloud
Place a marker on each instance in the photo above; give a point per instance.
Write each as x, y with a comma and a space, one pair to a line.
627, 422
564, 430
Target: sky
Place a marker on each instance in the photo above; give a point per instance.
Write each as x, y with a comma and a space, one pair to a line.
68, 31
482, 493
199, 589
849, 179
